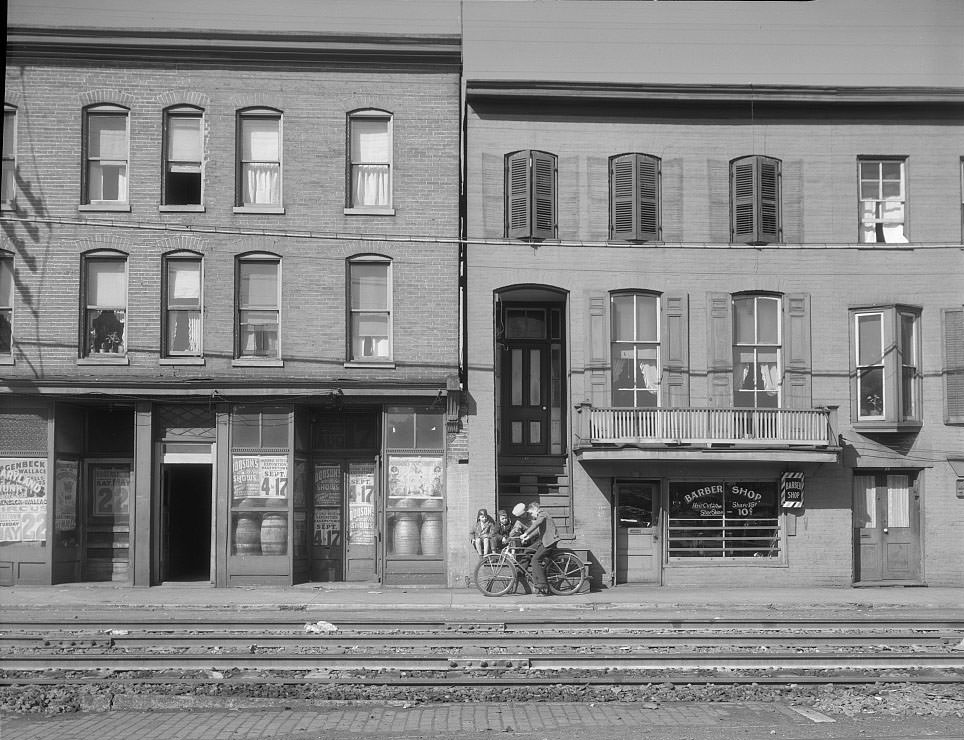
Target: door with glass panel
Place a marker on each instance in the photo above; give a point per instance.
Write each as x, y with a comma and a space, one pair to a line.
531, 380
887, 527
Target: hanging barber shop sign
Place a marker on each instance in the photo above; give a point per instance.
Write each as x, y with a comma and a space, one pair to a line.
791, 490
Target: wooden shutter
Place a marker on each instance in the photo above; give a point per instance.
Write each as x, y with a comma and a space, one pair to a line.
742, 200
597, 349
797, 363
720, 351
648, 188
622, 194
769, 227
675, 348
517, 196
544, 195
952, 320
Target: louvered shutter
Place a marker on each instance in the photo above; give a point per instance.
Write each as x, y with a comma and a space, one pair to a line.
743, 200
797, 363
623, 204
675, 348
597, 349
720, 350
647, 177
769, 226
953, 326
544, 195
517, 196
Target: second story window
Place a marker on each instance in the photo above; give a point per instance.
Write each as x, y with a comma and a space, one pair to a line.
106, 153
9, 183
182, 157
635, 350
530, 195
370, 160
182, 306
887, 360
634, 213
883, 215
370, 310
259, 158
756, 351
6, 306
755, 200
105, 305
259, 307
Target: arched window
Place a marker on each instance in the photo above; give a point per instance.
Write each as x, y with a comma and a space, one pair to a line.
636, 362
370, 160
105, 305
757, 351
369, 309
259, 159
258, 307
106, 155
183, 155
182, 313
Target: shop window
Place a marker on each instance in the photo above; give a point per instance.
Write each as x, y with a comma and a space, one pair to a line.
756, 351
724, 520
106, 152
8, 189
105, 305
370, 161
258, 307
952, 324
530, 195
182, 312
370, 310
182, 156
259, 159
257, 427
634, 193
755, 200
636, 365
886, 357
6, 306
883, 217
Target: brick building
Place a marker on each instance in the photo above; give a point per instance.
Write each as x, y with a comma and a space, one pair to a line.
715, 285
229, 294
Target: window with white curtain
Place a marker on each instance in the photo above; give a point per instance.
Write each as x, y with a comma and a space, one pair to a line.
635, 350
370, 301
182, 306
106, 150
105, 301
756, 351
259, 158
883, 219
259, 307
370, 160
182, 156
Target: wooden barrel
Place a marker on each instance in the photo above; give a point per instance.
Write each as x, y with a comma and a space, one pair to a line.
247, 534
432, 534
406, 534
274, 534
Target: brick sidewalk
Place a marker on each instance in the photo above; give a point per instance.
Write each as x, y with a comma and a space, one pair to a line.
430, 718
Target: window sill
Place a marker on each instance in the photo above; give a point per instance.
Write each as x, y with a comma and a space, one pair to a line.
104, 359
181, 361
119, 207
259, 209
369, 211
7, 360
384, 365
181, 209
257, 362
8, 206
887, 427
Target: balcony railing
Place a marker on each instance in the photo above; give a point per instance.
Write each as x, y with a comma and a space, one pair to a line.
804, 427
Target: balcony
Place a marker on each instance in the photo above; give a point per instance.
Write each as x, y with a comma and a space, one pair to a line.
807, 433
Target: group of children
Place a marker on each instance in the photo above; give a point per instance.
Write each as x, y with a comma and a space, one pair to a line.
490, 535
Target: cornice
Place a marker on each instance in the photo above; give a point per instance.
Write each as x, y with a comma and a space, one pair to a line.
547, 90
186, 46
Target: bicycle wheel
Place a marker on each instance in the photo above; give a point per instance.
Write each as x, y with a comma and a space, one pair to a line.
564, 573
494, 575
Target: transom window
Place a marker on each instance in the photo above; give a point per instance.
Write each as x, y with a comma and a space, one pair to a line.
182, 154
756, 351
635, 350
182, 306
9, 183
105, 305
370, 310
259, 158
370, 159
107, 153
883, 217
259, 307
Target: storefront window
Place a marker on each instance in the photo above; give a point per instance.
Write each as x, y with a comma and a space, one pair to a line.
724, 519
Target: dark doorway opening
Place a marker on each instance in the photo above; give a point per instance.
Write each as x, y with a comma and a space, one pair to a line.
186, 517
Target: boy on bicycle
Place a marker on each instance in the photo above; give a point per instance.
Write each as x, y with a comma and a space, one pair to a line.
543, 533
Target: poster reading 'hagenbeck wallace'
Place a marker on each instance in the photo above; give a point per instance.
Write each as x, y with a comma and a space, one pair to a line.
23, 499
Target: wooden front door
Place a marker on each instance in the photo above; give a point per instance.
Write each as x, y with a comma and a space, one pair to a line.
362, 535
887, 527
636, 532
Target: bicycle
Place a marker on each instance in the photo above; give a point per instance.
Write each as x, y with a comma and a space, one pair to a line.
499, 572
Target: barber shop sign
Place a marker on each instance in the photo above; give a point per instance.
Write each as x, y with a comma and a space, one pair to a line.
791, 490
